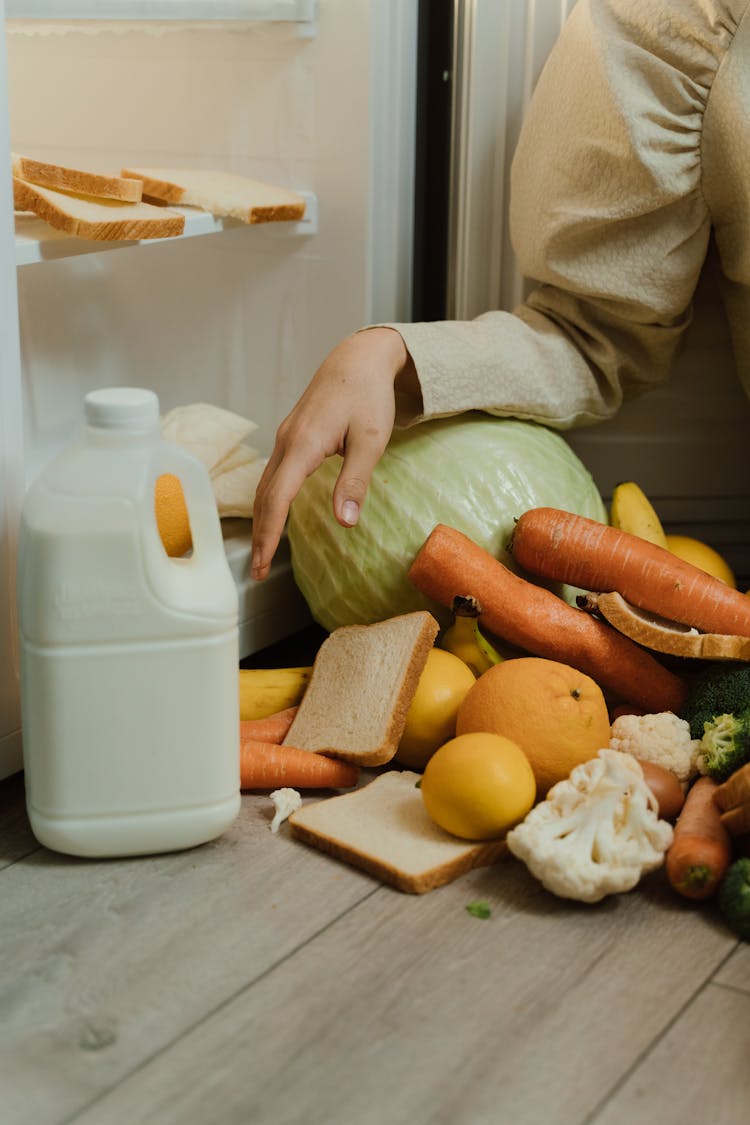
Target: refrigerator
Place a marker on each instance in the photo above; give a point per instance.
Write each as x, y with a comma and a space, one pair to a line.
397, 120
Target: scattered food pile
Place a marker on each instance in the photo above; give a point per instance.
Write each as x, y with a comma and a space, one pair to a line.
529, 727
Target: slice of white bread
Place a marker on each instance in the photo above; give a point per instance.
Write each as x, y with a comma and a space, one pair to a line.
98, 219
362, 683
60, 178
384, 829
661, 635
221, 193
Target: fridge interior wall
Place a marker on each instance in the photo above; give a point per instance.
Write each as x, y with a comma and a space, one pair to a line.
241, 318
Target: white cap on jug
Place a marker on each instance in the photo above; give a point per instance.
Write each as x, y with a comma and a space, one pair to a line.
122, 408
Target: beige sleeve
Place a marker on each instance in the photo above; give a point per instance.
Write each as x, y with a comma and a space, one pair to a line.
726, 186
608, 218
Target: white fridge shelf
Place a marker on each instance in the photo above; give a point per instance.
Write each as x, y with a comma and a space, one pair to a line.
288, 11
269, 610
36, 241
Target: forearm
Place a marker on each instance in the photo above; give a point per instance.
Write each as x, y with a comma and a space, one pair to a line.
608, 218
555, 363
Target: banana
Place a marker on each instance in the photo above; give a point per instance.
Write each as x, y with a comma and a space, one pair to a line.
632, 511
264, 691
487, 649
465, 640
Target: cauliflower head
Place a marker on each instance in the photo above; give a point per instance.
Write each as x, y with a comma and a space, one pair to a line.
663, 739
597, 833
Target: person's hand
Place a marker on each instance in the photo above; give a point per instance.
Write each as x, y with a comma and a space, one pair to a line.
349, 408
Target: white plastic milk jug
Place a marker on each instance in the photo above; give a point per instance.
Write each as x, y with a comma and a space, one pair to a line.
129, 659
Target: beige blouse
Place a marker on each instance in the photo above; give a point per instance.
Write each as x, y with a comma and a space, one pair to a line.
636, 148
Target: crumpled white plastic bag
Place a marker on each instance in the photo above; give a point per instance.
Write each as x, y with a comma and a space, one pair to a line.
217, 437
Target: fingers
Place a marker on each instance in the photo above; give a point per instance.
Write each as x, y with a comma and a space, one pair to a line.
361, 455
348, 408
269, 517
281, 481
284, 475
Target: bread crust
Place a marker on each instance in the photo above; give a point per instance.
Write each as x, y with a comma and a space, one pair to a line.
383, 828
156, 189
323, 691
659, 635
117, 222
60, 178
477, 855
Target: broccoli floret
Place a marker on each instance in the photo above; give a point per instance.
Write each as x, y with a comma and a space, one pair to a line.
734, 897
725, 745
721, 689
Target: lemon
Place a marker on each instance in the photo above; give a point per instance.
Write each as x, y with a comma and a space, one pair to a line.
172, 515
431, 719
477, 786
701, 555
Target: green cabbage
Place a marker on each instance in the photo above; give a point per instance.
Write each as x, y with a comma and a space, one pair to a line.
473, 472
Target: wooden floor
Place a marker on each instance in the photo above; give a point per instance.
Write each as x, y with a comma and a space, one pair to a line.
254, 980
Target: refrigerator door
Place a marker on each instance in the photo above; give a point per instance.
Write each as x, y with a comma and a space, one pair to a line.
314, 96
11, 486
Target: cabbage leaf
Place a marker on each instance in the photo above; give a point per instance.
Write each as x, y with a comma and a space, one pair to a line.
473, 472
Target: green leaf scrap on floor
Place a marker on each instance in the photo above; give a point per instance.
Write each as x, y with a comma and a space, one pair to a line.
479, 908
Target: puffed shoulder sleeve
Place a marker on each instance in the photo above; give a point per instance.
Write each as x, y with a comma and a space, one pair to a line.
608, 219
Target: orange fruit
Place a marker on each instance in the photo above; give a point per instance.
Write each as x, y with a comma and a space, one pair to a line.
701, 555
431, 718
172, 517
556, 714
477, 786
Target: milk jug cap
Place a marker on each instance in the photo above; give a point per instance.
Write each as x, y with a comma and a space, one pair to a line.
122, 408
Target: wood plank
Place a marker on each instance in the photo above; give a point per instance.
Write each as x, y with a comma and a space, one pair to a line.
735, 973
411, 1010
697, 1072
103, 964
16, 837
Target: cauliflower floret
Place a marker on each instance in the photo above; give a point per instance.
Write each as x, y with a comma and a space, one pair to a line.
663, 739
285, 802
597, 832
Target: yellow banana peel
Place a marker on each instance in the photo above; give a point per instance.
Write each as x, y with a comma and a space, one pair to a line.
264, 691
465, 639
632, 511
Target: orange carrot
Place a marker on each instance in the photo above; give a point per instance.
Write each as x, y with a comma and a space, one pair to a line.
701, 850
534, 619
568, 548
274, 728
266, 765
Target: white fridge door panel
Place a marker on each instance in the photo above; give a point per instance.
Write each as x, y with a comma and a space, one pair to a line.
11, 460
241, 318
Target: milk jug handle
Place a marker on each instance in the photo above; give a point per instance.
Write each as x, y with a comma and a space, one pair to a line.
205, 526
